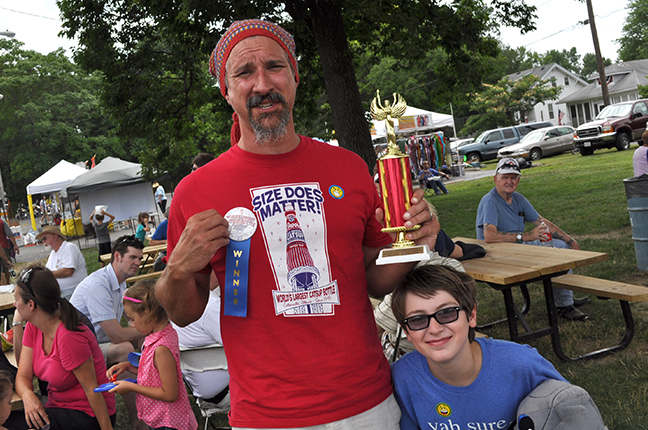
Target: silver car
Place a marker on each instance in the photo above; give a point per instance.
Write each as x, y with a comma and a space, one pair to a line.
540, 143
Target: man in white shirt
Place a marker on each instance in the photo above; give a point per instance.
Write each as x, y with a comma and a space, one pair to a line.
65, 260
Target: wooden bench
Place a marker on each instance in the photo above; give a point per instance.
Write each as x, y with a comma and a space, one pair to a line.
136, 278
620, 291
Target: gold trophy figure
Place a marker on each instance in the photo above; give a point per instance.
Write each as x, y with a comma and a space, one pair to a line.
396, 187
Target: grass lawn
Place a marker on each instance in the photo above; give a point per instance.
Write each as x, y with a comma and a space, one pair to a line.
585, 196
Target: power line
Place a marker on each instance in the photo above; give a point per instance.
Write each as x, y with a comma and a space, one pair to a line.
30, 14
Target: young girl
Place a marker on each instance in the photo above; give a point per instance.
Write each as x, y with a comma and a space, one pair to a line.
6, 391
162, 400
143, 226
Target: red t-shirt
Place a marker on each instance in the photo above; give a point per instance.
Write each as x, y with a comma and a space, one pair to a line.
70, 349
297, 366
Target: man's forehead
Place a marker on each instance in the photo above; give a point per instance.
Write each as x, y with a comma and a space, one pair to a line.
252, 45
133, 251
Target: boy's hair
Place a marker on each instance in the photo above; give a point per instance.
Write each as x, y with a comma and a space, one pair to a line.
99, 217
427, 280
6, 384
150, 307
202, 159
141, 216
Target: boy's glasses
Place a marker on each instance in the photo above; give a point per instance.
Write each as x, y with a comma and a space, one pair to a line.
444, 316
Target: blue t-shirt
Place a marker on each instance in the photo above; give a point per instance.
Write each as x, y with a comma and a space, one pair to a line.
161, 231
509, 372
510, 218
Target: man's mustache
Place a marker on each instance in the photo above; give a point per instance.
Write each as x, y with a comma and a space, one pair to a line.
270, 97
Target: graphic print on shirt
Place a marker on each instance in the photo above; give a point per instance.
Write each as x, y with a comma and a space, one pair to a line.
293, 225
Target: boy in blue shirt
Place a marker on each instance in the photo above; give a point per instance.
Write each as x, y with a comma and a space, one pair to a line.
452, 380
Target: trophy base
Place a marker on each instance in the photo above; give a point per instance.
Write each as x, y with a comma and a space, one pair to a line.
407, 254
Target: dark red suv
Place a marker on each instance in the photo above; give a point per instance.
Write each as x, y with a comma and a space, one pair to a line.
615, 126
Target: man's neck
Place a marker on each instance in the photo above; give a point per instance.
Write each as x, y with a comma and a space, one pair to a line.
249, 143
121, 277
508, 198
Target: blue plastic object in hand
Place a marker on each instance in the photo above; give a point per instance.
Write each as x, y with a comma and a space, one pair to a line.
134, 358
109, 385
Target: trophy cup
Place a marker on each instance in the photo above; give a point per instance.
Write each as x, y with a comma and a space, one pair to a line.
395, 187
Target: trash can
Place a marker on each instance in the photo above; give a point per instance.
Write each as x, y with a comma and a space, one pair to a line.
458, 170
637, 194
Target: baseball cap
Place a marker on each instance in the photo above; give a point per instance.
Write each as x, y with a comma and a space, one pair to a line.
507, 165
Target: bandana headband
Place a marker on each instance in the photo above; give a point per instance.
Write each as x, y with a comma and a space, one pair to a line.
240, 30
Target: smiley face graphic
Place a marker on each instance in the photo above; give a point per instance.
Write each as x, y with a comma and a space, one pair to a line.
443, 409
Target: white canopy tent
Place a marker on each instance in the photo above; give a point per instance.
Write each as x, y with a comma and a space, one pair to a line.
55, 179
117, 184
414, 120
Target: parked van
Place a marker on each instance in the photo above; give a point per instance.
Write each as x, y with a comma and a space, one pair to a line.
487, 144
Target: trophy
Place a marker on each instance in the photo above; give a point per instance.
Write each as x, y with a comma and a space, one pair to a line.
395, 187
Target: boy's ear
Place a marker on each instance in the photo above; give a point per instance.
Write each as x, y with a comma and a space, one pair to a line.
472, 319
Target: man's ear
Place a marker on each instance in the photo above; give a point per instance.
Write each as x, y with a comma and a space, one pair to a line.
472, 318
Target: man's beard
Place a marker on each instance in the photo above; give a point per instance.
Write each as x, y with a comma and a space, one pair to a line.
265, 134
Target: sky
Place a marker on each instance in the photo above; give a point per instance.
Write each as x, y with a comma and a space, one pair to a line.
558, 27
36, 23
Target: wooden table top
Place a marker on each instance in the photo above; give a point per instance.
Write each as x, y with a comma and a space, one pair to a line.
147, 251
512, 263
6, 301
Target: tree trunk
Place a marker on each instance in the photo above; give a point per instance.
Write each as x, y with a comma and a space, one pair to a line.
339, 77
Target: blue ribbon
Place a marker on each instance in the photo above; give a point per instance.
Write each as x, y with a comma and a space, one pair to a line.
236, 278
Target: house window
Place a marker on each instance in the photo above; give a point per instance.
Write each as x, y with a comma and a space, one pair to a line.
566, 80
551, 110
553, 82
574, 117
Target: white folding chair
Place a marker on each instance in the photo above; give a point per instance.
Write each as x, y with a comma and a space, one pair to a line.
202, 359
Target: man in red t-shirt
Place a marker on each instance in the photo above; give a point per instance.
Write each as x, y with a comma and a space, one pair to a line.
304, 351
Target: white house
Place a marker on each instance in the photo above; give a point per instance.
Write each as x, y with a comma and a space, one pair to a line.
623, 81
549, 111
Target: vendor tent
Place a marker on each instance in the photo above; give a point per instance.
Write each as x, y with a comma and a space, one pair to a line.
56, 178
117, 184
414, 121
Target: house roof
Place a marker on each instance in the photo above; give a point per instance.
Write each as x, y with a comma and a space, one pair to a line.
543, 71
627, 77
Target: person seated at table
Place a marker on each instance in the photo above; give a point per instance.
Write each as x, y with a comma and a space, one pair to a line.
59, 349
99, 297
210, 387
501, 217
454, 380
431, 178
160, 238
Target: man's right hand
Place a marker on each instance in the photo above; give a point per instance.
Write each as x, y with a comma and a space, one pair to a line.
205, 233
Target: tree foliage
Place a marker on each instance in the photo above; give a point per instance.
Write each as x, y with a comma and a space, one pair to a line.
153, 55
634, 37
50, 111
498, 104
589, 64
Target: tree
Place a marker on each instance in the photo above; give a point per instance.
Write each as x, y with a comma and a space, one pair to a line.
589, 64
634, 39
50, 111
498, 104
153, 56
570, 60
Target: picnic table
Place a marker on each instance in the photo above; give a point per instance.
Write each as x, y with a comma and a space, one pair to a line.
508, 265
150, 254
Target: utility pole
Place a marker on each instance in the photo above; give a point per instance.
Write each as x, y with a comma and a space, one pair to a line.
597, 51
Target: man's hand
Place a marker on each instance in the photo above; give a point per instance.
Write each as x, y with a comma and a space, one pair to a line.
205, 233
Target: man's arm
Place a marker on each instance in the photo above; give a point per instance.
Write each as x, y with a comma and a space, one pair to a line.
118, 334
381, 280
558, 233
182, 289
492, 235
63, 273
153, 242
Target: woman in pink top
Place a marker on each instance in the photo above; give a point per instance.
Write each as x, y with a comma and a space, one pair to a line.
59, 349
162, 400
